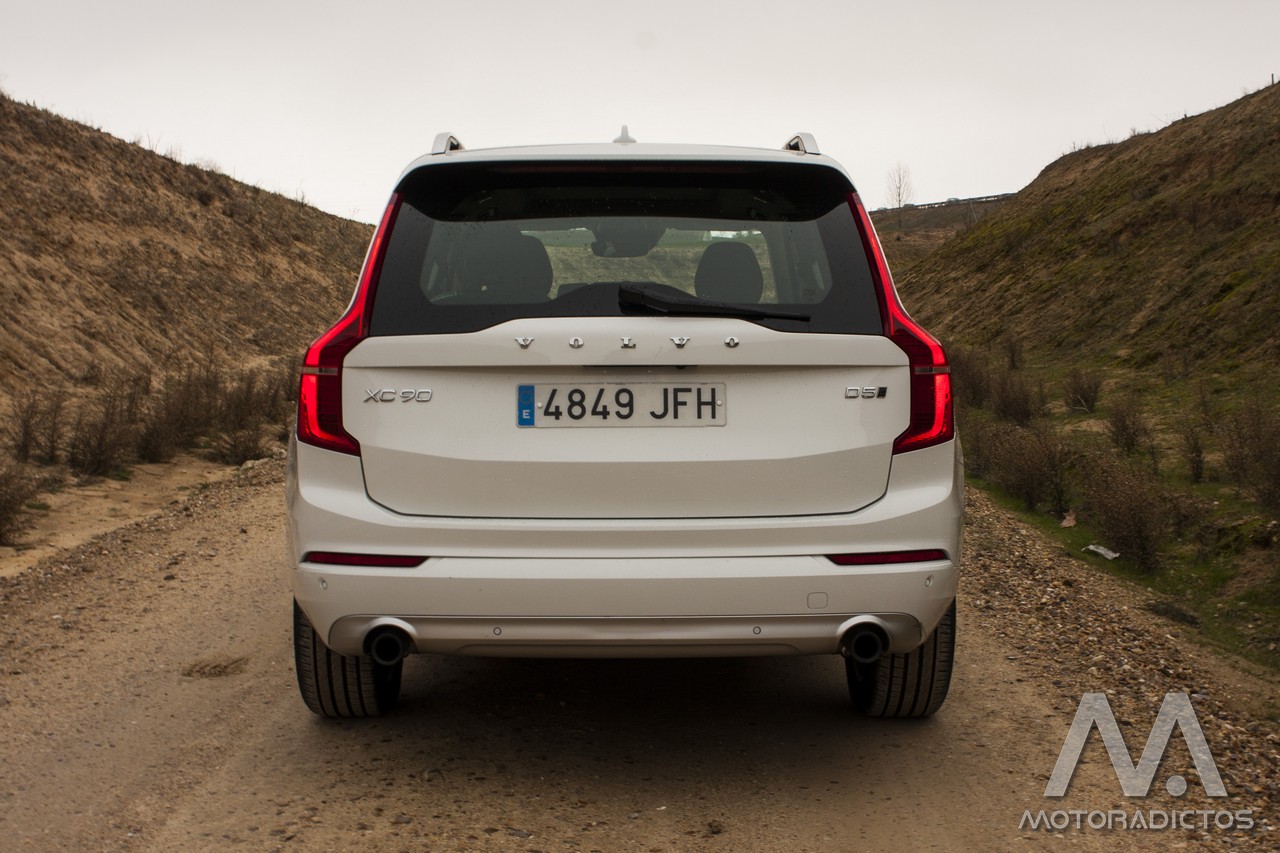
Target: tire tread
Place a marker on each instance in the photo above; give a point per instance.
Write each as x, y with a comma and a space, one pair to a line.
335, 685
913, 684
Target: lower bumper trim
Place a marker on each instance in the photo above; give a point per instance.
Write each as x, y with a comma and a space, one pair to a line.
628, 637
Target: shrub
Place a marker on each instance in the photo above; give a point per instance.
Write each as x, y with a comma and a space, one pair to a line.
978, 435
1127, 507
1252, 453
1083, 389
1032, 464
1128, 427
17, 486
283, 382
1191, 445
1013, 350
160, 432
200, 400
1012, 398
35, 428
178, 414
102, 432
281, 388
24, 418
51, 428
246, 405
970, 376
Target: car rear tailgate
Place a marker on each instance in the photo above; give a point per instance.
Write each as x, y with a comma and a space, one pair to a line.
804, 423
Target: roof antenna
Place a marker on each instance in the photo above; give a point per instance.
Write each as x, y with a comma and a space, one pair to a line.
624, 136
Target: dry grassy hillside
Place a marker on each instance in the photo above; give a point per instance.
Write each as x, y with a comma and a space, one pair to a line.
1167, 242
116, 258
910, 235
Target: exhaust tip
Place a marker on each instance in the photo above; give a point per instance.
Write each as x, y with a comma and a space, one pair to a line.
388, 645
864, 644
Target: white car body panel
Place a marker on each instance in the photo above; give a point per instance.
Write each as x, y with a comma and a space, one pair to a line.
796, 441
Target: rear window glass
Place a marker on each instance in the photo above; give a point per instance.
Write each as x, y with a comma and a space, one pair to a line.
474, 245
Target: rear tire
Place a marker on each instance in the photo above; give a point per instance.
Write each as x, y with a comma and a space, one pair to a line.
335, 685
914, 684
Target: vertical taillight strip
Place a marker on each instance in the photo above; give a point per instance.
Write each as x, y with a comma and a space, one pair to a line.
932, 415
320, 390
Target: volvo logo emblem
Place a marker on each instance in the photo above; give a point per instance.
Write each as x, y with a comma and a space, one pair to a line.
576, 342
679, 342
524, 342
627, 343
731, 342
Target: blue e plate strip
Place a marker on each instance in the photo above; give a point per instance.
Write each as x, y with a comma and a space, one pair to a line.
525, 408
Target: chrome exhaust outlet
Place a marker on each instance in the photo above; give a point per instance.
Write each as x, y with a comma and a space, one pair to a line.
388, 645
864, 643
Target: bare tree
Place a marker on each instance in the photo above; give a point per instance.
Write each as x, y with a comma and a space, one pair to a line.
898, 183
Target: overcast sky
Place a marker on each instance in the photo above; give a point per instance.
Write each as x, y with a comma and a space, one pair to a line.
330, 100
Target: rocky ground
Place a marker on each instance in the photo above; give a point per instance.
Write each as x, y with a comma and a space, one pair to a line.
147, 702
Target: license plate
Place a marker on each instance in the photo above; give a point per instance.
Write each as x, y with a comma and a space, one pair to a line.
618, 405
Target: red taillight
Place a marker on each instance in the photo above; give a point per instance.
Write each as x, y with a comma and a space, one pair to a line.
932, 417
887, 557
339, 558
320, 392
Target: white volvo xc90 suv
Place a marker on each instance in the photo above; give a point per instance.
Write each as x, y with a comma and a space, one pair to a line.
625, 400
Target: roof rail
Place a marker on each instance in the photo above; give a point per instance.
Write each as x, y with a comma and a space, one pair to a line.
445, 143
802, 142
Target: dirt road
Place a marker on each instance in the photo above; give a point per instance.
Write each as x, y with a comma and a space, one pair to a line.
147, 702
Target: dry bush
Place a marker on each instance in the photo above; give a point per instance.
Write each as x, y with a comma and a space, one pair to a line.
245, 411
1191, 446
102, 432
162, 428
1013, 350
282, 382
35, 426
252, 402
1128, 427
1252, 451
281, 390
1191, 519
51, 428
201, 400
970, 376
1032, 464
17, 486
980, 439
181, 412
24, 418
1126, 505
1083, 389
1012, 398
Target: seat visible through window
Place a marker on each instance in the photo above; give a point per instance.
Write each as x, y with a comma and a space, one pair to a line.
508, 267
729, 272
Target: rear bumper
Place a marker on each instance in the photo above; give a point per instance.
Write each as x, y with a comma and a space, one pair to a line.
627, 608
625, 588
